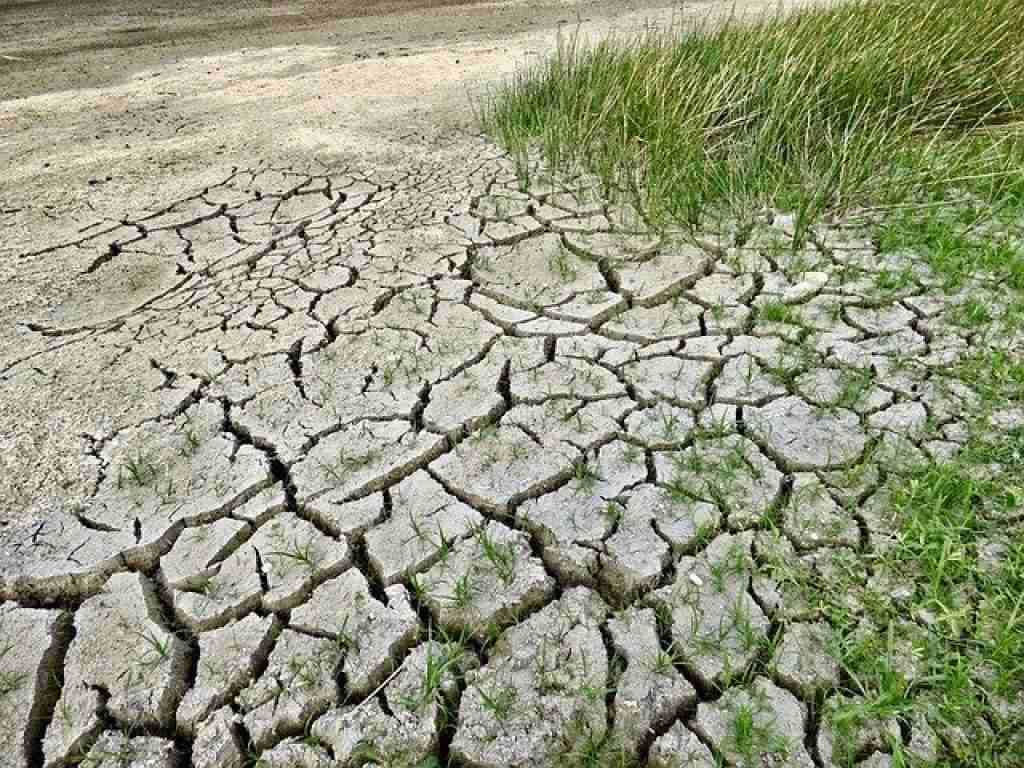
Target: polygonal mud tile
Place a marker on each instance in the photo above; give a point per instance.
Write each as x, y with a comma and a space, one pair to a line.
368, 371
679, 747
541, 691
880, 320
347, 518
29, 660
717, 627
563, 422
851, 485
501, 206
160, 476
118, 647
650, 693
745, 382
215, 744
546, 272
804, 662
518, 229
650, 528
590, 308
297, 685
295, 754
419, 700
897, 454
811, 518
846, 731
164, 474
262, 506
852, 388
617, 248
564, 377
803, 437
364, 458
824, 314
371, 634
547, 326
721, 319
57, 556
668, 271
496, 464
295, 557
474, 397
795, 587
466, 401
188, 562
907, 418
718, 420
769, 351
718, 289
698, 348
505, 315
675, 319
662, 426
779, 582
488, 579
116, 750
885, 351
804, 286
756, 725
571, 522
281, 564
458, 335
730, 471
674, 380
424, 519
228, 659
281, 416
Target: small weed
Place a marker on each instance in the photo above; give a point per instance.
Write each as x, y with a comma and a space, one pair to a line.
139, 470
501, 556
499, 701
586, 476
462, 591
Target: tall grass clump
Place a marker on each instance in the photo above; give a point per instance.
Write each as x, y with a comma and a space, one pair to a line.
868, 102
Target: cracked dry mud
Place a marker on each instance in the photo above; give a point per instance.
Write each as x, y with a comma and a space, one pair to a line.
379, 412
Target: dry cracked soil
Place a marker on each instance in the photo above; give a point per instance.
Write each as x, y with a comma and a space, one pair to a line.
328, 454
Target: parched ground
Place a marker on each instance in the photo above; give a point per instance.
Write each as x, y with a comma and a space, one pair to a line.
321, 457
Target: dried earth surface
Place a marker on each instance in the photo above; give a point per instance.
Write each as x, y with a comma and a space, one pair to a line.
326, 441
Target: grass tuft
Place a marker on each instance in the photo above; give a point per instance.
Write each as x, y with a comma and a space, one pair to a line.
814, 110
